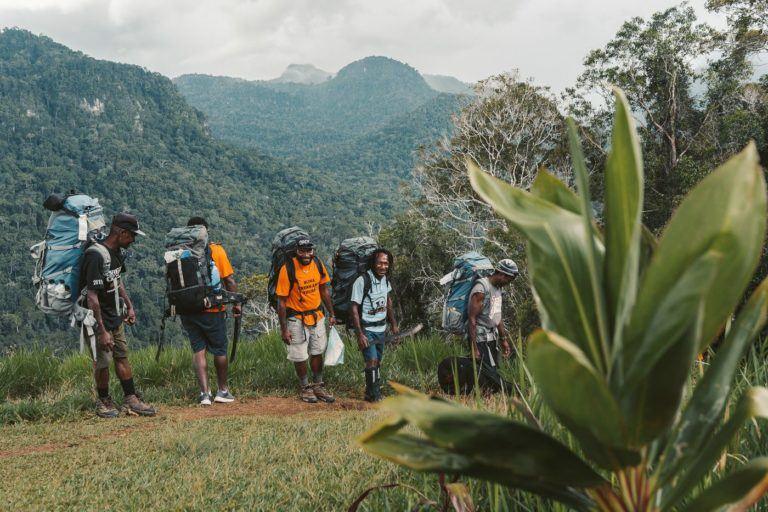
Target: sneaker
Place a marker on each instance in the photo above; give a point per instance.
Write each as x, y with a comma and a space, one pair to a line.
204, 399
307, 394
134, 405
322, 394
105, 408
224, 397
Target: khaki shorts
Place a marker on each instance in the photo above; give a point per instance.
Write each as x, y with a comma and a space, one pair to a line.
120, 350
306, 340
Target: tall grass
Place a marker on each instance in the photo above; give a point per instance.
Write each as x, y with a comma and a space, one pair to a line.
37, 384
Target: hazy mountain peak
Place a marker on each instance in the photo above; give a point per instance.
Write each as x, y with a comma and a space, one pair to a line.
449, 84
303, 74
378, 67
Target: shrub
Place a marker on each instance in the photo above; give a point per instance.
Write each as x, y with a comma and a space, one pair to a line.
623, 318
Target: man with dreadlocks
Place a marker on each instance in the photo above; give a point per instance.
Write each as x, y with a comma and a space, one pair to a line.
371, 310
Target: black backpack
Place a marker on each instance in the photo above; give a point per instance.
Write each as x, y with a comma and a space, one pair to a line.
192, 281
352, 260
456, 375
283, 252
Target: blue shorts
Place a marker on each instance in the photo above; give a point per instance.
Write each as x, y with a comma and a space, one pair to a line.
206, 331
374, 350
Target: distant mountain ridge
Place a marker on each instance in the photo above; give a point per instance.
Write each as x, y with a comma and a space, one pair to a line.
449, 84
302, 74
323, 125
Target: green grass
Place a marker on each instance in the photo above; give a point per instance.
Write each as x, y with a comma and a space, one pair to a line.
297, 462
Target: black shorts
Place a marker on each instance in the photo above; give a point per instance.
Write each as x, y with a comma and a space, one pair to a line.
207, 331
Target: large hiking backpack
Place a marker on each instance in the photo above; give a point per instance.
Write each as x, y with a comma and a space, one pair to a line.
351, 261
192, 279
77, 221
467, 269
283, 252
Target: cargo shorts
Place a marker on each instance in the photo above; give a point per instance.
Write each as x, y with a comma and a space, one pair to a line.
120, 350
306, 340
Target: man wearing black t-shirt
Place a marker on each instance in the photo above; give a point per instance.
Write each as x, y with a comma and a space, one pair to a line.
107, 298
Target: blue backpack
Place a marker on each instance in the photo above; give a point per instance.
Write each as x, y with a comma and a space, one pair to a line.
467, 269
76, 223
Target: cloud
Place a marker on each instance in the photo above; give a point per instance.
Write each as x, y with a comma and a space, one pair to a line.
546, 40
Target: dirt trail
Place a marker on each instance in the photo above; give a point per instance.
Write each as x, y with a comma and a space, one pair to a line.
262, 406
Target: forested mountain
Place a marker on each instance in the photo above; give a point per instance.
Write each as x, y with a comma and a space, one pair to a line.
367, 121
126, 136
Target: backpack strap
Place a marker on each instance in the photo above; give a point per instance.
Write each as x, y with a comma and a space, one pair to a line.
366, 287
320, 266
106, 258
290, 269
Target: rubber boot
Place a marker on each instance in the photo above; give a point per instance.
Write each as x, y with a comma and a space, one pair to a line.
370, 376
377, 384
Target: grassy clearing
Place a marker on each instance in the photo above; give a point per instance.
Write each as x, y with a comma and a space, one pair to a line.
304, 461
300, 462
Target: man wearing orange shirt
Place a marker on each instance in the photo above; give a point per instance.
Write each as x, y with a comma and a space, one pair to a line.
207, 331
302, 285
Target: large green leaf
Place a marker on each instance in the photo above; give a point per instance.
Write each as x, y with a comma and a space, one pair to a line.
738, 491
672, 319
423, 455
753, 404
595, 268
706, 407
548, 187
489, 439
574, 389
651, 407
725, 212
558, 254
623, 225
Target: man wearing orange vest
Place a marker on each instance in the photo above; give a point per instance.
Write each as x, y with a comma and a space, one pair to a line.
302, 285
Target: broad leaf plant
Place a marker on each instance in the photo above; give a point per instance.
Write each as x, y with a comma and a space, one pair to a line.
624, 317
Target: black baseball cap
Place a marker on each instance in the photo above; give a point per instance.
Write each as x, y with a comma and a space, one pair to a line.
304, 243
128, 222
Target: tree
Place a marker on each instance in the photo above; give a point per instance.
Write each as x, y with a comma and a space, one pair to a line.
512, 128
654, 62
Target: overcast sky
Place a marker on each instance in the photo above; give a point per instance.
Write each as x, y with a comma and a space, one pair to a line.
255, 39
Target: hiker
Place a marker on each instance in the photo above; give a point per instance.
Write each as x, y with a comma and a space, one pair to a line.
207, 330
371, 310
485, 328
302, 284
107, 298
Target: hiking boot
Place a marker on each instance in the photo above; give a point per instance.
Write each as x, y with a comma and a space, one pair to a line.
376, 391
204, 399
134, 405
322, 394
224, 397
370, 375
105, 408
307, 394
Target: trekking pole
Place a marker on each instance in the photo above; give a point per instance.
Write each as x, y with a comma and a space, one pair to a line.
241, 299
161, 337
235, 337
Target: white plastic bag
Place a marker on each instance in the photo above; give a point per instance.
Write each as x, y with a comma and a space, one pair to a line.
334, 351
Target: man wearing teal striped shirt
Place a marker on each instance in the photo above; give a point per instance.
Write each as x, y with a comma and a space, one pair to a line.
371, 311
